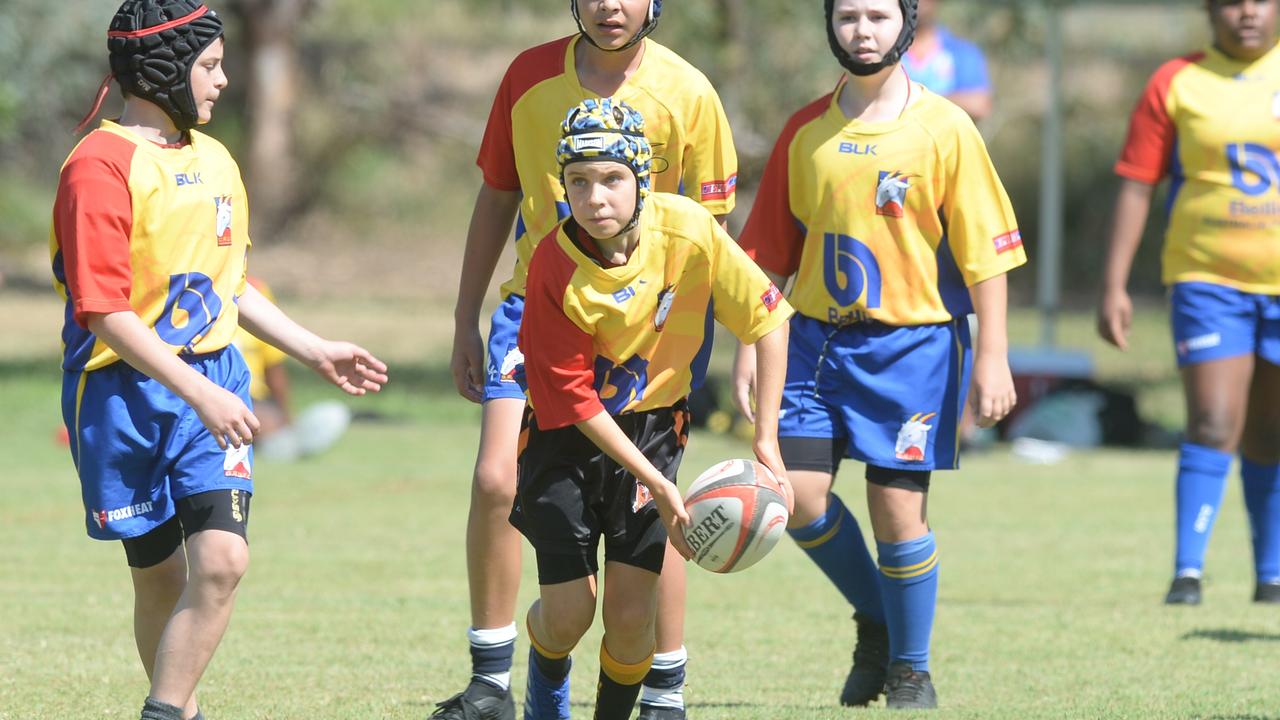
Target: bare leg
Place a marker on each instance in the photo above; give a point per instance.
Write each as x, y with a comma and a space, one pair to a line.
671, 600
217, 560
156, 591
493, 545
1217, 393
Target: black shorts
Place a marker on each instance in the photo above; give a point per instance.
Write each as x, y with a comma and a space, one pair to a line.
571, 494
224, 509
820, 454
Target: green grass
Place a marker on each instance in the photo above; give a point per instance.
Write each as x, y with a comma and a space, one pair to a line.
356, 601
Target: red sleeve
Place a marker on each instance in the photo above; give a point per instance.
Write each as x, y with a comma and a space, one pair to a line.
1152, 136
92, 220
559, 358
497, 158
773, 236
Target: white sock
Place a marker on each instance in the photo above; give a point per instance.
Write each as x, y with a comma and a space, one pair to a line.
666, 697
482, 639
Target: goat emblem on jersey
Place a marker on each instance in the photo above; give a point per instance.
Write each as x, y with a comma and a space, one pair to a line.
665, 299
510, 363
913, 437
891, 194
223, 205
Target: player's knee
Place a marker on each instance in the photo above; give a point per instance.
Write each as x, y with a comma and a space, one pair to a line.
565, 626
159, 586
494, 484
220, 569
811, 503
1261, 445
1214, 429
630, 623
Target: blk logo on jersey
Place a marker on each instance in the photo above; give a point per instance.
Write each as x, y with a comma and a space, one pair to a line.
235, 463
665, 299
188, 179
223, 205
913, 437
891, 194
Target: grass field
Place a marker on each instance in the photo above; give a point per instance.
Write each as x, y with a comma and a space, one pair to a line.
355, 602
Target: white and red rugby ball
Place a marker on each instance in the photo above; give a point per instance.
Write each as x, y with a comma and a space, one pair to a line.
737, 513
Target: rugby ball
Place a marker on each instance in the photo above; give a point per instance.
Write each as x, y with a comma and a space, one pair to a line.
737, 513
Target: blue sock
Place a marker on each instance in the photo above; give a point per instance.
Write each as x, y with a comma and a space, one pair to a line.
834, 542
1262, 501
910, 586
1202, 478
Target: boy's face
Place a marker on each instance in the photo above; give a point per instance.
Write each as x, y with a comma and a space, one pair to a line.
1244, 29
612, 23
208, 80
602, 196
867, 29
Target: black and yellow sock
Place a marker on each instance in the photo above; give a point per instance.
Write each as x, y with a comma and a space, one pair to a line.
554, 666
619, 685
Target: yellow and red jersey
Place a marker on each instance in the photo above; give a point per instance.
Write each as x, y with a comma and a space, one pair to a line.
636, 336
1211, 124
159, 230
684, 121
889, 221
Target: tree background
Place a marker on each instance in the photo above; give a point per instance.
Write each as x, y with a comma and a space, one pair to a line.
356, 122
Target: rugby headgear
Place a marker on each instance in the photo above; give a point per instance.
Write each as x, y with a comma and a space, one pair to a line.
152, 46
650, 22
608, 129
905, 38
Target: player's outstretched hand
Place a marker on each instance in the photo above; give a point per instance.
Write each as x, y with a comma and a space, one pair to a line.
674, 517
349, 366
467, 363
992, 395
1115, 316
744, 381
227, 418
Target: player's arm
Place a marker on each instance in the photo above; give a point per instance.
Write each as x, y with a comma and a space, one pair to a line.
276, 378
226, 416
978, 103
746, 365
349, 366
1115, 308
991, 394
603, 430
770, 374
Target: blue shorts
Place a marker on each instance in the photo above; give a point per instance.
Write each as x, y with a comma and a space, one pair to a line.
138, 447
1212, 322
504, 375
893, 394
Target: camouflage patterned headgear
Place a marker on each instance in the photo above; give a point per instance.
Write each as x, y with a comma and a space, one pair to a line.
650, 23
910, 11
152, 46
608, 129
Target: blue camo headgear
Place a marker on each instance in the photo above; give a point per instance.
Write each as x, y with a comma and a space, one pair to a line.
608, 129
651, 22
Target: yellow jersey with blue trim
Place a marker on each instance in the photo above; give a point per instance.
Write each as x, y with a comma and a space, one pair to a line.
887, 221
160, 230
1211, 124
684, 122
636, 336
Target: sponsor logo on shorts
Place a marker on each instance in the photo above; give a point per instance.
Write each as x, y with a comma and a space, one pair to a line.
1199, 342
913, 437
102, 517
891, 194
235, 463
510, 363
642, 497
1008, 241
719, 189
771, 297
237, 513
